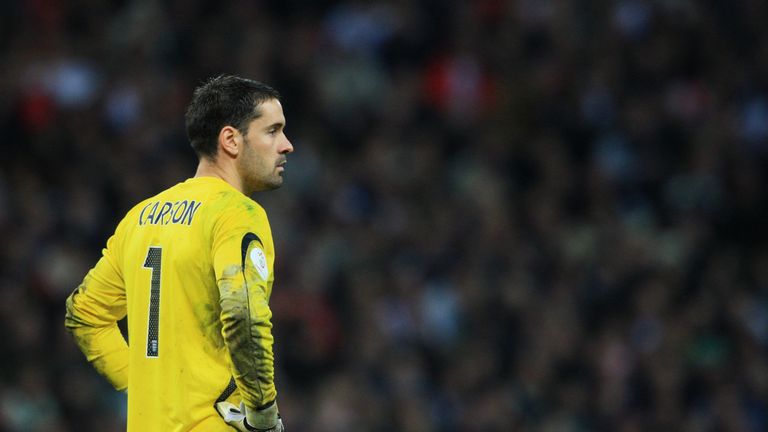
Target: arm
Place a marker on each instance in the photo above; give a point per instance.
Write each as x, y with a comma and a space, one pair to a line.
93, 310
243, 270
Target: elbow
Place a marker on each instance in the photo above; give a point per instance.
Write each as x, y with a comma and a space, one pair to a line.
72, 320
234, 317
234, 324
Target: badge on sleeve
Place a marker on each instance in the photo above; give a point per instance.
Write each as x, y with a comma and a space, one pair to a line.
260, 262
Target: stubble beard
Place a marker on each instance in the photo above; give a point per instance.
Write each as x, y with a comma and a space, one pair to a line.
258, 176
254, 181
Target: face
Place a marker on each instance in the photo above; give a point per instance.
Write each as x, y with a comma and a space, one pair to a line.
265, 147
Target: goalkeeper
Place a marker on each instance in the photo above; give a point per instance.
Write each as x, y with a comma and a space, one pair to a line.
192, 268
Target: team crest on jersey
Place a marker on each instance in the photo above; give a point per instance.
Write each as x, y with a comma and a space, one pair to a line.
260, 262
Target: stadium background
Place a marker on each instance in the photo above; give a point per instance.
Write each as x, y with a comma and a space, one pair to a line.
501, 215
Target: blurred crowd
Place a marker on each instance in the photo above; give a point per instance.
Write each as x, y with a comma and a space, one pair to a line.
520, 215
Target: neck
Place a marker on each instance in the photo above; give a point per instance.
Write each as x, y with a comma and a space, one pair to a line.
208, 168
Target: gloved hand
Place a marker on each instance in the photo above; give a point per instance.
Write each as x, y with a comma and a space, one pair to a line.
245, 420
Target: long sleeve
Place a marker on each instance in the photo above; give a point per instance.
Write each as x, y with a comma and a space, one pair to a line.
247, 330
243, 261
92, 312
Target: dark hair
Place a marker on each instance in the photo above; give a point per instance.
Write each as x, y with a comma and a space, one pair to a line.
223, 101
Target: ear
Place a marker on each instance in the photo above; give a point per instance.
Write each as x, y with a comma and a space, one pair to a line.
230, 140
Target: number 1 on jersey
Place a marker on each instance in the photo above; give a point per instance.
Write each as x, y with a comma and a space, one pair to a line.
153, 261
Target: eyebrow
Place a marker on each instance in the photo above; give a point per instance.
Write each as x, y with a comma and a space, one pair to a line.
280, 125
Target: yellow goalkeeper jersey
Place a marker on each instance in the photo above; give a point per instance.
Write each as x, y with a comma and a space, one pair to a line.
192, 267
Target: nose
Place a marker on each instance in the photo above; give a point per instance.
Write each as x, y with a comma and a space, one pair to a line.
287, 147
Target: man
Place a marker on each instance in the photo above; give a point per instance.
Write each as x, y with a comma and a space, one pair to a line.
192, 269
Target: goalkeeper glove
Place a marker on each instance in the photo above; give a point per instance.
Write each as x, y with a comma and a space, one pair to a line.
245, 420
